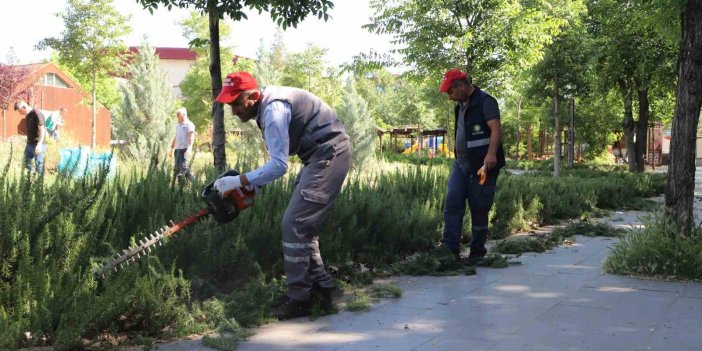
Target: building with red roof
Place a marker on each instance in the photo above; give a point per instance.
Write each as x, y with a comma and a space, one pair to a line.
49, 88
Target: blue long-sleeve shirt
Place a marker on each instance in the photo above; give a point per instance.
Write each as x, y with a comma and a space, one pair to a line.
276, 121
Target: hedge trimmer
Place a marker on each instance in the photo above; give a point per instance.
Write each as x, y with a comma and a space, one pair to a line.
224, 208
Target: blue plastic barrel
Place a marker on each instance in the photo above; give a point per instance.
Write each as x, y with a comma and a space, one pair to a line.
79, 162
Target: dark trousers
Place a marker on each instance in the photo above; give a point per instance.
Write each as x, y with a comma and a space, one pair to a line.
180, 168
29, 155
464, 186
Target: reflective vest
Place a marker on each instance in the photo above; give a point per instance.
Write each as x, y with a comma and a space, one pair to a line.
313, 124
478, 132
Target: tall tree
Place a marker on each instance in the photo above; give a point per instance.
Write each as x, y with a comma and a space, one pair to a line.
679, 192
147, 117
634, 56
12, 86
307, 70
480, 36
562, 74
284, 12
195, 87
91, 44
398, 101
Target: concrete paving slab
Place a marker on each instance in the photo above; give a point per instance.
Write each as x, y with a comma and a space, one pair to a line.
614, 281
692, 290
681, 328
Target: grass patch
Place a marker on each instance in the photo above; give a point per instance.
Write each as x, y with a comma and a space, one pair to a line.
361, 301
658, 251
548, 241
494, 260
517, 246
229, 335
433, 264
386, 290
362, 298
588, 229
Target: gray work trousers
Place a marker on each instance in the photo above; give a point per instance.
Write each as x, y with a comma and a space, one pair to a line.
316, 187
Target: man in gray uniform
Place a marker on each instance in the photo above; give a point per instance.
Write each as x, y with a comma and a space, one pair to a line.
294, 122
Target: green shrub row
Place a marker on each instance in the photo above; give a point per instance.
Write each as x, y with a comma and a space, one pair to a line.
54, 232
538, 198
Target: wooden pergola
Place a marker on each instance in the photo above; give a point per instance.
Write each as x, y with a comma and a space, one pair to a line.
410, 132
406, 132
434, 133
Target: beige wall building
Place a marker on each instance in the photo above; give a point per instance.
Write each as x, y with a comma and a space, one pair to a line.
176, 62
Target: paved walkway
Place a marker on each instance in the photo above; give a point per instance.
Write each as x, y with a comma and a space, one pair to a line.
553, 301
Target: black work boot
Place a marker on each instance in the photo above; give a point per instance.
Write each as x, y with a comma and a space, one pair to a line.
324, 297
476, 255
291, 308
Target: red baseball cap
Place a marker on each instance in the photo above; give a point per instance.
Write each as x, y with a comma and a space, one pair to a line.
234, 84
449, 77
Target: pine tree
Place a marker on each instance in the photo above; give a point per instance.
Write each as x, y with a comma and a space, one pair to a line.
91, 47
147, 117
359, 124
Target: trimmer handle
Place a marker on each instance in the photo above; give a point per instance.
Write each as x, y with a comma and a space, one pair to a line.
225, 209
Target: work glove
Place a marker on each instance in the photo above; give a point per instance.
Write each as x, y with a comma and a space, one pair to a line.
226, 184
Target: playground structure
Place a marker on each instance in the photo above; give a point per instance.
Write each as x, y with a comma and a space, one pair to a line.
416, 140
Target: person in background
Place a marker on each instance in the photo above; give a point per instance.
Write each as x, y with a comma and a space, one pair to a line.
294, 122
479, 157
54, 121
182, 144
35, 148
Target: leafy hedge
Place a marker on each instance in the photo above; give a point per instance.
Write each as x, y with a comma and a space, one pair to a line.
54, 231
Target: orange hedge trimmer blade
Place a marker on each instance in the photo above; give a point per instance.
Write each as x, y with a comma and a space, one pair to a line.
133, 253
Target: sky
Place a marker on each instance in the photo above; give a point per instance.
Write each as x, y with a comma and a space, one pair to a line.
24, 23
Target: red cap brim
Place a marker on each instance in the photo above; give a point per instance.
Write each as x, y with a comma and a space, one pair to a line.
227, 96
445, 85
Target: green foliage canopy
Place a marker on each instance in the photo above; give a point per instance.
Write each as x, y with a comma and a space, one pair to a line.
480, 36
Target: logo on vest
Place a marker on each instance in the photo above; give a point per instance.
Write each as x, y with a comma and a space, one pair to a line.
477, 130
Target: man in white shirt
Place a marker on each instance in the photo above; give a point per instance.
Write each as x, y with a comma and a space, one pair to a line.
182, 144
294, 122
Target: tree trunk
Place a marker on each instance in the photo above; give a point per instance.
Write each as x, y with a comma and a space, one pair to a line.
679, 192
530, 154
219, 137
571, 135
519, 112
542, 141
557, 139
628, 125
642, 130
93, 138
4, 124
